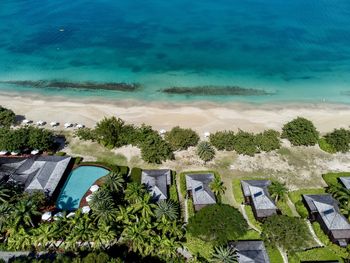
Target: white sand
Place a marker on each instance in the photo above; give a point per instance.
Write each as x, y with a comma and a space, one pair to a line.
200, 116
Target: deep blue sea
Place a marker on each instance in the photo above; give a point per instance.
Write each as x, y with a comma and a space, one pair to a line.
295, 50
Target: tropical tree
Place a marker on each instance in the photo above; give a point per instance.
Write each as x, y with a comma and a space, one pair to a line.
205, 151
19, 240
217, 186
136, 237
144, 206
223, 140
104, 237
24, 212
225, 254
339, 139
268, 140
114, 181
278, 191
300, 131
167, 209
4, 193
134, 192
7, 117
102, 206
245, 143
181, 139
44, 235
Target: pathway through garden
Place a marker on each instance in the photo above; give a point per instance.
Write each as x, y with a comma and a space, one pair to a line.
241, 208
292, 207
314, 236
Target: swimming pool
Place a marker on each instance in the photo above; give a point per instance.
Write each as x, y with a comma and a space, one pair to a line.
77, 184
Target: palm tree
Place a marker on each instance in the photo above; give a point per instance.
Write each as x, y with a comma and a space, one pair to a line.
103, 207
125, 215
144, 206
345, 208
45, 234
19, 240
104, 237
224, 255
166, 208
4, 193
340, 193
114, 181
278, 191
134, 192
24, 212
136, 236
217, 186
5, 212
205, 151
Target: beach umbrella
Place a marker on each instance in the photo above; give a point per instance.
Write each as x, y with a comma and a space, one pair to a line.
14, 153
162, 131
79, 126
85, 209
3, 152
25, 121
94, 188
54, 123
46, 216
206, 134
68, 125
40, 123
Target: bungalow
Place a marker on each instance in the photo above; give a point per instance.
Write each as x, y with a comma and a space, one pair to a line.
198, 187
324, 209
157, 182
251, 251
256, 194
37, 173
345, 181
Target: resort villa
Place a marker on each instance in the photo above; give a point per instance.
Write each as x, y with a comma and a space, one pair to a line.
324, 209
36, 173
256, 194
250, 251
345, 181
157, 182
199, 189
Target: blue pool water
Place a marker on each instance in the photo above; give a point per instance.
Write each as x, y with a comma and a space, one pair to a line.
77, 184
297, 49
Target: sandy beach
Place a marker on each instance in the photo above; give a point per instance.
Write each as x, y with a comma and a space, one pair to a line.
199, 116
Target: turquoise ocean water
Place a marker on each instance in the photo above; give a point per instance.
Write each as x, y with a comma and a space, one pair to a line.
299, 50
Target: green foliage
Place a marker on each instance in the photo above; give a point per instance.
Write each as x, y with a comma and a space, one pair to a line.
135, 175
325, 146
300, 131
339, 139
277, 190
78, 160
7, 117
173, 193
274, 255
296, 198
85, 134
224, 254
217, 223
183, 187
26, 137
155, 150
249, 212
180, 139
166, 208
290, 233
332, 178
244, 143
190, 208
223, 140
61, 154
268, 141
218, 187
205, 151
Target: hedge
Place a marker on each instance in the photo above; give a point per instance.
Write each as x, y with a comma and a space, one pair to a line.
135, 175
124, 170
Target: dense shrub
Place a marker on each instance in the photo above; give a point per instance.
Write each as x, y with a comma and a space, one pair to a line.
205, 151
268, 141
218, 224
7, 117
290, 233
135, 175
26, 138
181, 139
109, 132
183, 187
325, 146
78, 160
301, 209
155, 150
339, 139
244, 143
300, 131
223, 140
85, 134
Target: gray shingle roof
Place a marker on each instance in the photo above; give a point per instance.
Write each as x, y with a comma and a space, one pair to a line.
328, 209
41, 173
157, 182
345, 181
257, 190
199, 185
251, 251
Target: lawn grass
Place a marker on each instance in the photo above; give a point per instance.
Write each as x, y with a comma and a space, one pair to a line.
251, 217
250, 235
199, 247
325, 146
332, 178
284, 207
190, 208
274, 254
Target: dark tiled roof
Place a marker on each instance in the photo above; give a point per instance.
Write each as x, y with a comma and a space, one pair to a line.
258, 191
345, 181
199, 184
157, 182
251, 251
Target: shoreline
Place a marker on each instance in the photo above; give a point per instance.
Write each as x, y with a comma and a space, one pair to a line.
201, 116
